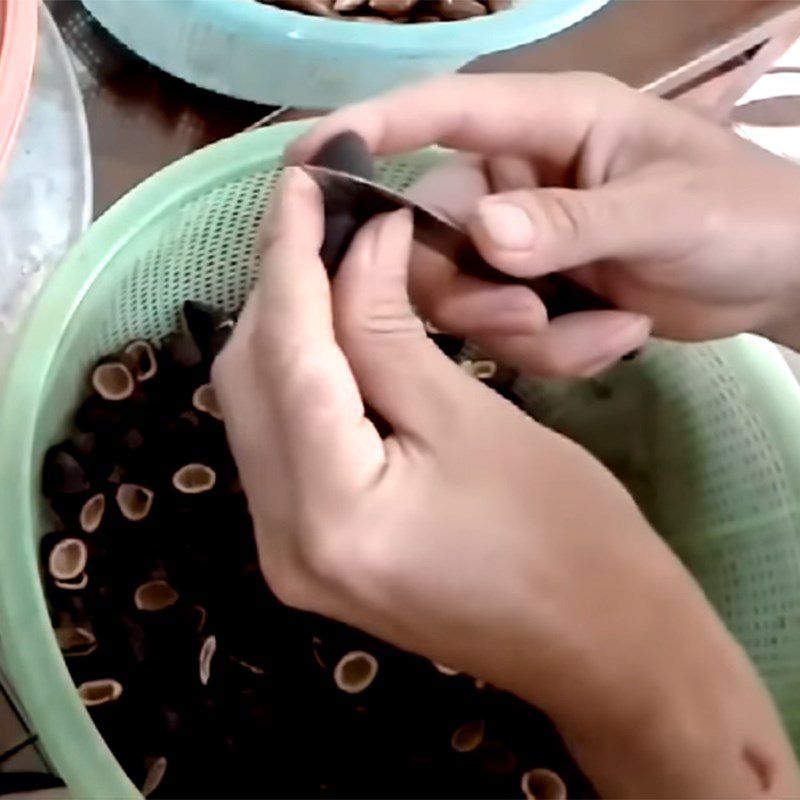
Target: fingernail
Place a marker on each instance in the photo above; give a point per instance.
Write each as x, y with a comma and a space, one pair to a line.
292, 179
392, 228
508, 226
296, 179
401, 221
291, 150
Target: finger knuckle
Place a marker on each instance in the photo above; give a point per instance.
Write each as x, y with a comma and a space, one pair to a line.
596, 83
320, 555
287, 582
567, 215
714, 223
275, 248
312, 385
272, 243
276, 355
308, 562
311, 558
380, 328
326, 561
390, 320
226, 363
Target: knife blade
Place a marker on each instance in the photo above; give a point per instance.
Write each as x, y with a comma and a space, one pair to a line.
351, 200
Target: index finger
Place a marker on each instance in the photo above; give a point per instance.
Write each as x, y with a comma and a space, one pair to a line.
283, 369
547, 116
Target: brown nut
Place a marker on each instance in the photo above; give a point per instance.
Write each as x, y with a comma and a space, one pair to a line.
459, 9
317, 8
392, 8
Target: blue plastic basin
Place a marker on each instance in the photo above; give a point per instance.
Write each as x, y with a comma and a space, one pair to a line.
260, 53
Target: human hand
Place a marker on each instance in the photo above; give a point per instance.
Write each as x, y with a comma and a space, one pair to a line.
471, 535
672, 218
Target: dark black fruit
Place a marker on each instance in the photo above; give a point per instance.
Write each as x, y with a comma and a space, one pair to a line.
346, 152
63, 473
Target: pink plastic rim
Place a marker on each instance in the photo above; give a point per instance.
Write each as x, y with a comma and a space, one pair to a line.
18, 27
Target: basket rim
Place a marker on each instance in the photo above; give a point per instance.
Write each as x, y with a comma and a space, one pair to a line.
527, 22
66, 730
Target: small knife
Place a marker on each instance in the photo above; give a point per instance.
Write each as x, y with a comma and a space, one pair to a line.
351, 200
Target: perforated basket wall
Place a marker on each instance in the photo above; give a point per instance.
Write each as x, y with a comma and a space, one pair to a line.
707, 437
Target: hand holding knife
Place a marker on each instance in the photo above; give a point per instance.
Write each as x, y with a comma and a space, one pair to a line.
343, 171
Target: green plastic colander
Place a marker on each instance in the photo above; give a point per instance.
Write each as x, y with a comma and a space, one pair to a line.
707, 437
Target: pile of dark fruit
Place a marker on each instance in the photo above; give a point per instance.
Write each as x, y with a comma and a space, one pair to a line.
397, 11
201, 682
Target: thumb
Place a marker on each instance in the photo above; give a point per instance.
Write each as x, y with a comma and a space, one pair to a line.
534, 231
400, 373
